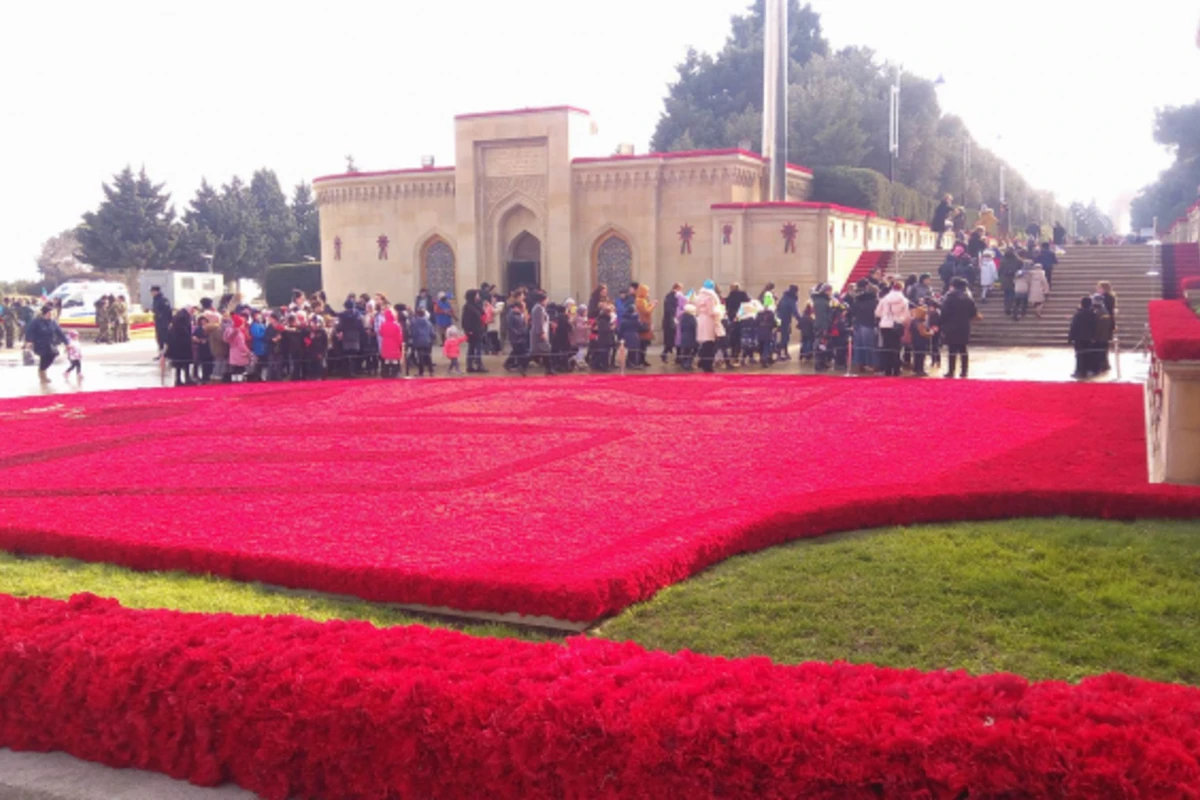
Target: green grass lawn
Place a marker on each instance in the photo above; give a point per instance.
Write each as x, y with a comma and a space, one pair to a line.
1059, 598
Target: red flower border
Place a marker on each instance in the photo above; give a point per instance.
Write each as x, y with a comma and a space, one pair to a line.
1175, 329
289, 708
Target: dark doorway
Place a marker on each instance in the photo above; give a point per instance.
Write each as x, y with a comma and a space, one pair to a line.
524, 262
522, 273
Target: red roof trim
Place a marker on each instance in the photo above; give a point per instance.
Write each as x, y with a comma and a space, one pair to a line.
730, 151
516, 111
796, 204
415, 171
799, 168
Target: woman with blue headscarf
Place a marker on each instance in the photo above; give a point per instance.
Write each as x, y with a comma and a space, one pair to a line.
708, 323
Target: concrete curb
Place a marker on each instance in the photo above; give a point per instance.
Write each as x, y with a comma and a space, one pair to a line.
58, 776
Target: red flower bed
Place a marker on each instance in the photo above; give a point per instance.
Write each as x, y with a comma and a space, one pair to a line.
571, 499
290, 708
1175, 328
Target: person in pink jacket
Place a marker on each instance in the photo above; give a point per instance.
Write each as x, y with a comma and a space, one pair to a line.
391, 344
237, 336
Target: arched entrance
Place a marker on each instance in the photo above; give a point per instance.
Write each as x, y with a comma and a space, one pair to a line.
612, 262
524, 265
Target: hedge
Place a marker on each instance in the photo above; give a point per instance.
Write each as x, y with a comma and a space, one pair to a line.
281, 279
871, 191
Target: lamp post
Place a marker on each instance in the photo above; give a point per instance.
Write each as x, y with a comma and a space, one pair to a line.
894, 127
966, 155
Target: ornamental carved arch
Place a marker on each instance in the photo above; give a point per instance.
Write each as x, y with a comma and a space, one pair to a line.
437, 263
613, 257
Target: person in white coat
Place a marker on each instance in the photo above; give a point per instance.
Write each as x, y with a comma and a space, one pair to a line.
708, 319
1039, 288
893, 315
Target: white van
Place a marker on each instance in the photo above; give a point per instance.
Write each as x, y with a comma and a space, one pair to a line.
79, 299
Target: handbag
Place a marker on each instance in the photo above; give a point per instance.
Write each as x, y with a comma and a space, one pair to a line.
27, 358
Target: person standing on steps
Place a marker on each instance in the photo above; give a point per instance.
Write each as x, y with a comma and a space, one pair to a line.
958, 312
940, 216
1048, 261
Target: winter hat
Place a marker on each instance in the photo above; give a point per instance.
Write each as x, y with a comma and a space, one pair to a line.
710, 285
689, 309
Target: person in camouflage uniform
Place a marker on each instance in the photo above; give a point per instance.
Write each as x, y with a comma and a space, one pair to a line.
114, 321
122, 309
102, 335
8, 321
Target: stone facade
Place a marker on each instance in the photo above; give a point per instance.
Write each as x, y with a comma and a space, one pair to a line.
525, 205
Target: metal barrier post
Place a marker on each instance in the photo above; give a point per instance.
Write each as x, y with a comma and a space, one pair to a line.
849, 354
1117, 353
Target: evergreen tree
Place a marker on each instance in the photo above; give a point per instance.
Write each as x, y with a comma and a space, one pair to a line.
308, 227
1177, 187
274, 216
133, 229
712, 90
225, 225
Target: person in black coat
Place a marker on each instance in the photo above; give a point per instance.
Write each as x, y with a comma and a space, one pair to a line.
687, 337
179, 346
670, 307
350, 333
733, 304
1082, 334
958, 312
940, 215
43, 335
161, 307
473, 327
788, 311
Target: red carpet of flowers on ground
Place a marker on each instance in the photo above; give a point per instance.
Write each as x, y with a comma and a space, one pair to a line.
571, 499
290, 708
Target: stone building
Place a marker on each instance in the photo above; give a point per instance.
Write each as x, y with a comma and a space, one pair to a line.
526, 203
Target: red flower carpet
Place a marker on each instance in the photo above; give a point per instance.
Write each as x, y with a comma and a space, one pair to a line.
290, 708
571, 499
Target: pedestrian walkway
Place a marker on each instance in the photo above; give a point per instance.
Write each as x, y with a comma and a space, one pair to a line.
132, 366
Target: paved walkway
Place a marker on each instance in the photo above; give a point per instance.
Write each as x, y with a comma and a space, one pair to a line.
132, 366
57, 776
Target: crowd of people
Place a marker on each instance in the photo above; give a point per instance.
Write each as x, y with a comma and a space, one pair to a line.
881, 324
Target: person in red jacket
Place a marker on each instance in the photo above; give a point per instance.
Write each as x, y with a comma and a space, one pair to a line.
391, 344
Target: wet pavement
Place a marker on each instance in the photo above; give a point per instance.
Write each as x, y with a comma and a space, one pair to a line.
133, 366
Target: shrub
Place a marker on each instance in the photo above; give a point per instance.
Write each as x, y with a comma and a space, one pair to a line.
281, 279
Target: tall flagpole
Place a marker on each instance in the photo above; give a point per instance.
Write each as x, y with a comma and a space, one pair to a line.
776, 55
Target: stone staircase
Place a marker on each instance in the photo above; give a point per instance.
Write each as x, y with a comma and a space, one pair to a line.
1077, 273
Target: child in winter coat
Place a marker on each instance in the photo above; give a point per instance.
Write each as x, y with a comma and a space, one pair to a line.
1021, 298
391, 344
922, 338
581, 335
452, 348
605, 341
766, 323
988, 274
808, 332
74, 355
687, 336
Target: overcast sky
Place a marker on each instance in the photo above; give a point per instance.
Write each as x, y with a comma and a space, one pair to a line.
217, 88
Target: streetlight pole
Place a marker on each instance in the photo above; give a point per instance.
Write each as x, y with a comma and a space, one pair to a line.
966, 166
894, 127
1001, 183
